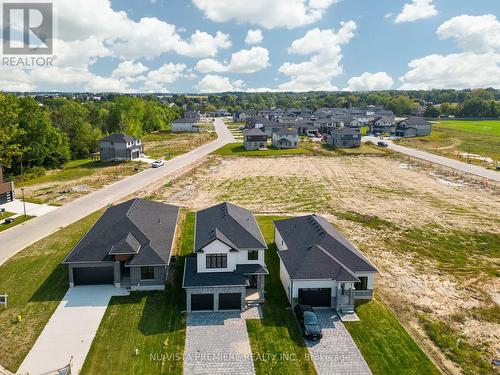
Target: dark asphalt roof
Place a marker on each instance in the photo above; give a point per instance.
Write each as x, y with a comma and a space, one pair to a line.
193, 279
231, 224
286, 131
253, 131
145, 224
184, 121
119, 138
314, 236
413, 121
251, 269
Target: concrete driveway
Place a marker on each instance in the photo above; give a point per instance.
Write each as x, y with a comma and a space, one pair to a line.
336, 352
70, 330
32, 209
17, 238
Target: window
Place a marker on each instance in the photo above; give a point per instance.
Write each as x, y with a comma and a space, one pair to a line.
363, 283
147, 273
217, 261
253, 255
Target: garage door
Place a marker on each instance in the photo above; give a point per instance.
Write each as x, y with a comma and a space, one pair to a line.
93, 275
319, 297
230, 301
202, 302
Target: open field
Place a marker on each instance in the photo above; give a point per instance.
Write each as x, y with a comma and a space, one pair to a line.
35, 281
449, 138
168, 145
433, 235
237, 149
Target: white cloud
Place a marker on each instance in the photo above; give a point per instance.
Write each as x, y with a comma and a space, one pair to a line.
254, 37
416, 10
473, 33
215, 83
202, 44
168, 73
370, 82
325, 63
266, 13
244, 61
128, 69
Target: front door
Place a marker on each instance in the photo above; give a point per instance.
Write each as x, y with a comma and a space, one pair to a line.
252, 280
124, 271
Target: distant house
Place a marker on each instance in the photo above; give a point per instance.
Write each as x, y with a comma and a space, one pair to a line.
193, 115
120, 147
222, 113
413, 127
185, 125
382, 125
254, 139
6, 189
319, 266
345, 137
285, 138
129, 246
227, 269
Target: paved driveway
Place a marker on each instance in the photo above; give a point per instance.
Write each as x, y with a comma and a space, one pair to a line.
32, 209
336, 353
70, 330
217, 343
17, 238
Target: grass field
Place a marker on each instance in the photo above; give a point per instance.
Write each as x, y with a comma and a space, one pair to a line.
153, 322
35, 281
17, 221
384, 343
168, 145
449, 138
237, 149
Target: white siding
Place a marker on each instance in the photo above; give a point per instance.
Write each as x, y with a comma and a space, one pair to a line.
217, 247
278, 240
285, 280
242, 258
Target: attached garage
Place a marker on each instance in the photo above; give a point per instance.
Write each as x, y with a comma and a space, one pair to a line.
316, 297
200, 302
230, 301
93, 275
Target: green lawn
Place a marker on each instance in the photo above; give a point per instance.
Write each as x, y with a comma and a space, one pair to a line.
152, 322
5, 215
237, 149
17, 221
278, 333
384, 343
35, 281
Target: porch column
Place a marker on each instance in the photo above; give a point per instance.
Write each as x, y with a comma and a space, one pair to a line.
117, 274
260, 285
351, 295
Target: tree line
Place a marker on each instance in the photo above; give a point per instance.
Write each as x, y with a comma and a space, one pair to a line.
46, 134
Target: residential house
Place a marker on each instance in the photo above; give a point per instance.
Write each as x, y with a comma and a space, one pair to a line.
413, 127
120, 147
228, 269
254, 139
285, 138
344, 137
193, 115
129, 246
7, 193
382, 125
319, 266
185, 125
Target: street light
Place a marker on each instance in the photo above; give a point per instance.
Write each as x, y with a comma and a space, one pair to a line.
24, 203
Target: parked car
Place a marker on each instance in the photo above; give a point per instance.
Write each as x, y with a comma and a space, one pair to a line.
308, 322
382, 144
158, 163
9, 220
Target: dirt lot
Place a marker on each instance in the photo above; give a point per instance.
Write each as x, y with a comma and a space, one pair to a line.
433, 234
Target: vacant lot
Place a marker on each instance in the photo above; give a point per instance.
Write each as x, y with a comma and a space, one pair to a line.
434, 237
168, 145
450, 138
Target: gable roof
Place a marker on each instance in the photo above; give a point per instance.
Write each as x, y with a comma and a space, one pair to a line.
253, 131
119, 138
316, 248
231, 224
286, 131
142, 228
414, 121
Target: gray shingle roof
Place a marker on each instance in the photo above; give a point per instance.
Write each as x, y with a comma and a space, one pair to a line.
253, 131
193, 279
286, 131
231, 224
315, 247
119, 138
137, 222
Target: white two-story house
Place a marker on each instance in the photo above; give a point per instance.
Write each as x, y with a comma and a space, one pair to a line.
227, 269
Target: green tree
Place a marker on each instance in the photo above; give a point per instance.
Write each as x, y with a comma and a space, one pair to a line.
10, 147
431, 111
401, 105
126, 116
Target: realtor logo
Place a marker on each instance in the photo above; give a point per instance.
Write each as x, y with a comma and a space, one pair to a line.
27, 28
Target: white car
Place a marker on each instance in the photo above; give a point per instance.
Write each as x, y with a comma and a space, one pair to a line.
158, 163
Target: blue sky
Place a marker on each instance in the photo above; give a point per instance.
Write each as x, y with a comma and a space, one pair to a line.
306, 45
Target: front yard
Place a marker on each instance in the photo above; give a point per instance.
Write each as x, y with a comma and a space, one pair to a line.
18, 220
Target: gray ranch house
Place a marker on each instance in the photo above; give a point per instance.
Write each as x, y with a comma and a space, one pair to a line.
228, 269
129, 246
319, 266
413, 127
120, 147
345, 137
254, 139
187, 124
286, 138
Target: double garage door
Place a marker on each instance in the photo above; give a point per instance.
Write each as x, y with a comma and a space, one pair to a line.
205, 302
93, 275
317, 297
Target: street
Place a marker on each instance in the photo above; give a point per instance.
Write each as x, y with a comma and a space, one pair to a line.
23, 235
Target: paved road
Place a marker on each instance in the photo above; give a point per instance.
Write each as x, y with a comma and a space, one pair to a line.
447, 162
17, 238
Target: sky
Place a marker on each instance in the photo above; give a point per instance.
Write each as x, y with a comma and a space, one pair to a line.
206, 46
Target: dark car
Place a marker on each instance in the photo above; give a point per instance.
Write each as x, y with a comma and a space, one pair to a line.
308, 322
382, 144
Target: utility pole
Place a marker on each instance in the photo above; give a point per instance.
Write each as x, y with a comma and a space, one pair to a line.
24, 203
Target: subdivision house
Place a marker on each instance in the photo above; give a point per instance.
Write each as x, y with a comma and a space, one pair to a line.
186, 124
6, 189
120, 147
228, 269
285, 138
319, 266
254, 139
413, 127
382, 125
129, 246
344, 137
